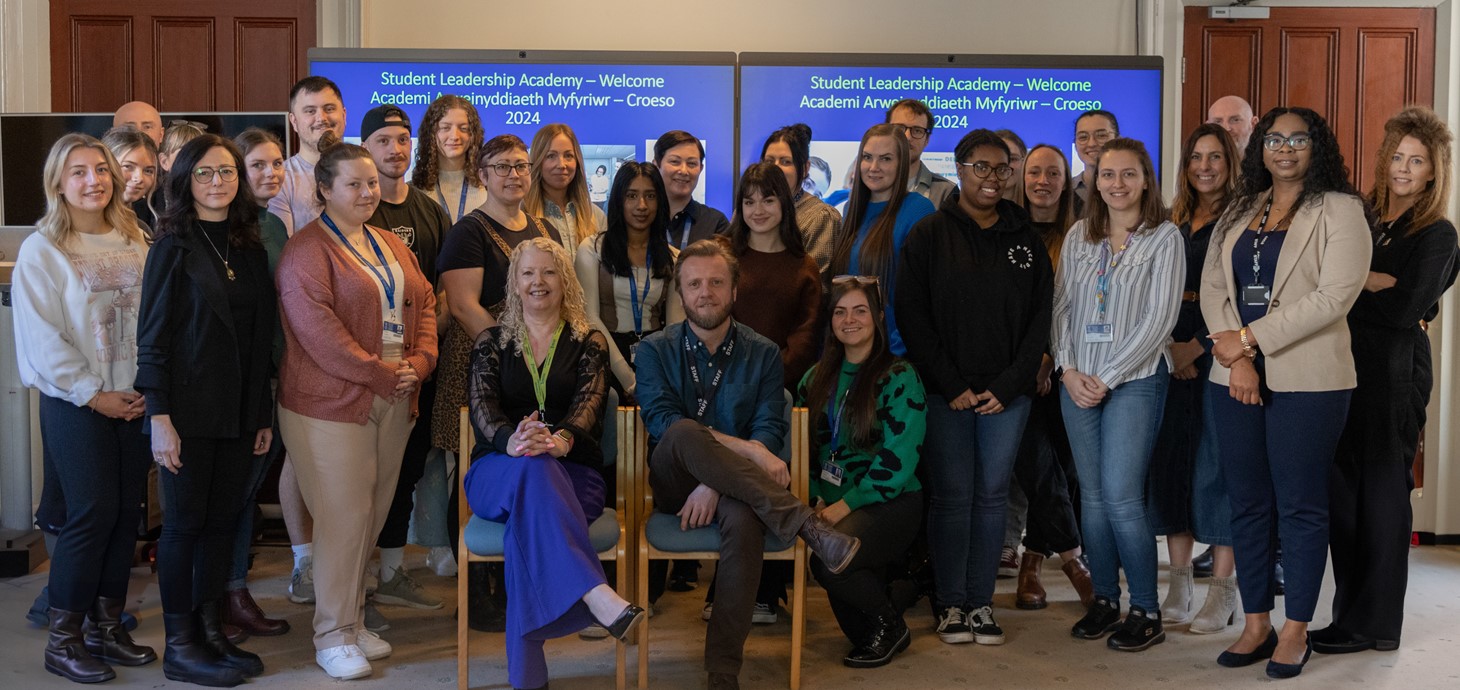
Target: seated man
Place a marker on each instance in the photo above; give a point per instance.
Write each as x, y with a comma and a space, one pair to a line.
714, 408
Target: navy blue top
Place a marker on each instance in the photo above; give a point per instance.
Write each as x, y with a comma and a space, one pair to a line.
1189, 321
750, 402
1242, 269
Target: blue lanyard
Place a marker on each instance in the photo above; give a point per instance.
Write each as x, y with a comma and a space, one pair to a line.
836, 422
388, 280
636, 302
460, 206
1102, 274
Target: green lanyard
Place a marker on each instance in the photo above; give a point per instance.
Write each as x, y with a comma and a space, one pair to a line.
540, 374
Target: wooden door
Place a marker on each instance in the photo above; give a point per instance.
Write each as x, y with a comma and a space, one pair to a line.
1355, 66
178, 55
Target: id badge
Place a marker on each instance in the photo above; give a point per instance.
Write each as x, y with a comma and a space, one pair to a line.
394, 333
832, 473
1256, 295
633, 352
1099, 333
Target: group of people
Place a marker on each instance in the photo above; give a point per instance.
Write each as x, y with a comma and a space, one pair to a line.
1022, 355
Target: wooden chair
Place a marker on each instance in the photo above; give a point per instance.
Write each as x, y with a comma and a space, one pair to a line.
659, 537
481, 540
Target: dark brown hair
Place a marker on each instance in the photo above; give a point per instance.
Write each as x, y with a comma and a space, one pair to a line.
861, 405
1153, 211
763, 178
876, 254
180, 216
1187, 199
426, 170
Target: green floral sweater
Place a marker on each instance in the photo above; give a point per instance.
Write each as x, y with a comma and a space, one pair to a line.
886, 469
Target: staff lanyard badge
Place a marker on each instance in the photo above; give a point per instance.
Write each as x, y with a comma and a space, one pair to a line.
832, 471
1257, 294
393, 330
1102, 331
637, 303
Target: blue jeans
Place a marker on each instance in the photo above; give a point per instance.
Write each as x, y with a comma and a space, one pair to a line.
1112, 445
970, 460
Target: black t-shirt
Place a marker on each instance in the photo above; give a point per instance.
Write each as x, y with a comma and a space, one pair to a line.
469, 244
419, 222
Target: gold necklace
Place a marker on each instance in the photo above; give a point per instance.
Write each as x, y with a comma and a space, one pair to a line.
228, 270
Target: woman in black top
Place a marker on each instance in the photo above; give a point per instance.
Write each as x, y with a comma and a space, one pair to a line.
1414, 262
205, 335
538, 388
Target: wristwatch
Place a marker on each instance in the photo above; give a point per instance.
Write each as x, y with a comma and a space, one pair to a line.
566, 435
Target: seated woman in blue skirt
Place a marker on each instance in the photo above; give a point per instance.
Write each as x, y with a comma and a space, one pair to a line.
537, 390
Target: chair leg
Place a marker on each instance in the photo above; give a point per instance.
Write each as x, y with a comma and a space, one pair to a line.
643, 578
798, 615
463, 648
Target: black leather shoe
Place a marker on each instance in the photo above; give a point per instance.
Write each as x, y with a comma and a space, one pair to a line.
835, 549
483, 612
210, 621
627, 620
1333, 640
66, 654
889, 638
107, 640
1140, 631
1279, 582
187, 660
1263, 651
724, 681
1281, 671
1102, 617
1201, 566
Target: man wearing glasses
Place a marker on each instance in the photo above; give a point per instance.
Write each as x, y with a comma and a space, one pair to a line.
917, 122
1092, 129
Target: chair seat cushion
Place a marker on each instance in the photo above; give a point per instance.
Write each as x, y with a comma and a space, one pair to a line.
664, 534
484, 537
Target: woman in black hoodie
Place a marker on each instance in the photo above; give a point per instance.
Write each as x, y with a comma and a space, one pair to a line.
974, 301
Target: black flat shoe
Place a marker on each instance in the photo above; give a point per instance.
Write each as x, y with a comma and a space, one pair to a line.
1282, 671
1331, 640
625, 623
1263, 651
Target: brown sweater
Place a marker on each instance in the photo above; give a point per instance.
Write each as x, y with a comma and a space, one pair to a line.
779, 297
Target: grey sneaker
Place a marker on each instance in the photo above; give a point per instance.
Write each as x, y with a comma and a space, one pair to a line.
402, 590
374, 621
301, 583
764, 614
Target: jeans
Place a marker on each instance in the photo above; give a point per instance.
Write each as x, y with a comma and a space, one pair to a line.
200, 519
243, 535
1112, 445
970, 460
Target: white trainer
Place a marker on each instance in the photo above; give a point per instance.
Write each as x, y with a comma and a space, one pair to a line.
371, 645
344, 662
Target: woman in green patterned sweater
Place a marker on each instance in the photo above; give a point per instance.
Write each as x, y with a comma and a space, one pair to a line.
868, 436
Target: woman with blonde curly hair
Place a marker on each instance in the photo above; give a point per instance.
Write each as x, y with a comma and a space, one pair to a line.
537, 391
447, 146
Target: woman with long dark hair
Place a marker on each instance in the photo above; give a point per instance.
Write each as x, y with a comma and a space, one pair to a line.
205, 342
868, 429
789, 148
1287, 260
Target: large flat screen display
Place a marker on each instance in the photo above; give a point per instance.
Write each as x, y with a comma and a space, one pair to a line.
1038, 97
617, 103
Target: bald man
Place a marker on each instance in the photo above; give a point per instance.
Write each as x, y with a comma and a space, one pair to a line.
143, 117
1234, 115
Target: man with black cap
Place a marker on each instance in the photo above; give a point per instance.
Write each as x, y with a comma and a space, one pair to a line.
420, 222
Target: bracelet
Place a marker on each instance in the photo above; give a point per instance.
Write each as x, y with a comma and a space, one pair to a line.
1247, 348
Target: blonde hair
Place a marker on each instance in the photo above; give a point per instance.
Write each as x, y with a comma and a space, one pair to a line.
577, 187
572, 311
177, 135
56, 225
1422, 124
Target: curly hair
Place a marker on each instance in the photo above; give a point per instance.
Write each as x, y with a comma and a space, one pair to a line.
425, 171
1326, 169
1187, 199
572, 311
1426, 127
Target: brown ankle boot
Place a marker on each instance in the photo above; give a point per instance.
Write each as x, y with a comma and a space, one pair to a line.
242, 611
1080, 577
1031, 593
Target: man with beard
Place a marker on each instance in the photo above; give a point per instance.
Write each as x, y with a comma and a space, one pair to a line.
315, 107
419, 222
713, 405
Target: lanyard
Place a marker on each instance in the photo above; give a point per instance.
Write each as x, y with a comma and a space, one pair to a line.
705, 397
1258, 242
836, 422
540, 374
460, 206
683, 239
388, 280
1102, 274
635, 302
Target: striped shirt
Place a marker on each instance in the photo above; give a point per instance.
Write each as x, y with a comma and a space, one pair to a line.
1142, 302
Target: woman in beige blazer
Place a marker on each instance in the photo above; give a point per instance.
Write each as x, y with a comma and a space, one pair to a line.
1287, 260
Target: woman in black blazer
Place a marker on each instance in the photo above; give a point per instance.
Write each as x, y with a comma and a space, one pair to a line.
205, 329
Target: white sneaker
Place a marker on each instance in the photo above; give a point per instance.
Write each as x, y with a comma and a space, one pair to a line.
371, 645
344, 662
441, 562
707, 611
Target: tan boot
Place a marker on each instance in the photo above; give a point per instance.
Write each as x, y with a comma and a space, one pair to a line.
1220, 608
1080, 577
1031, 594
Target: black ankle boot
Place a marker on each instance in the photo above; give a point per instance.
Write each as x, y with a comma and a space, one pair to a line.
107, 640
66, 654
888, 638
1102, 617
210, 620
1139, 632
483, 613
186, 659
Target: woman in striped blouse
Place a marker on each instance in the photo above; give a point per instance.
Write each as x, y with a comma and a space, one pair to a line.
1116, 298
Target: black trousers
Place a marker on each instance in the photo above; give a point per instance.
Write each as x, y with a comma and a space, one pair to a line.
1045, 472
859, 594
201, 504
100, 466
412, 466
751, 504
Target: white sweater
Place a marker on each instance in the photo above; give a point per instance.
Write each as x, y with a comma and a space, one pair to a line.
76, 314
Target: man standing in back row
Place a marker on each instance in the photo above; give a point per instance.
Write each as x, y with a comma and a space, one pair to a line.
917, 120
315, 107
1234, 114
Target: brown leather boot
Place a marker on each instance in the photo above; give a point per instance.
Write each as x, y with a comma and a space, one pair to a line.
66, 654
1080, 577
108, 640
241, 610
1030, 594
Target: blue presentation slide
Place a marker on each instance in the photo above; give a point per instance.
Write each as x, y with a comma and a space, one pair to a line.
617, 111
841, 102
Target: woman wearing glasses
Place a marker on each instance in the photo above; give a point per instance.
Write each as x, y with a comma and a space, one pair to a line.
868, 429
973, 297
1119, 289
447, 145
474, 258
1287, 260
205, 338
1092, 129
